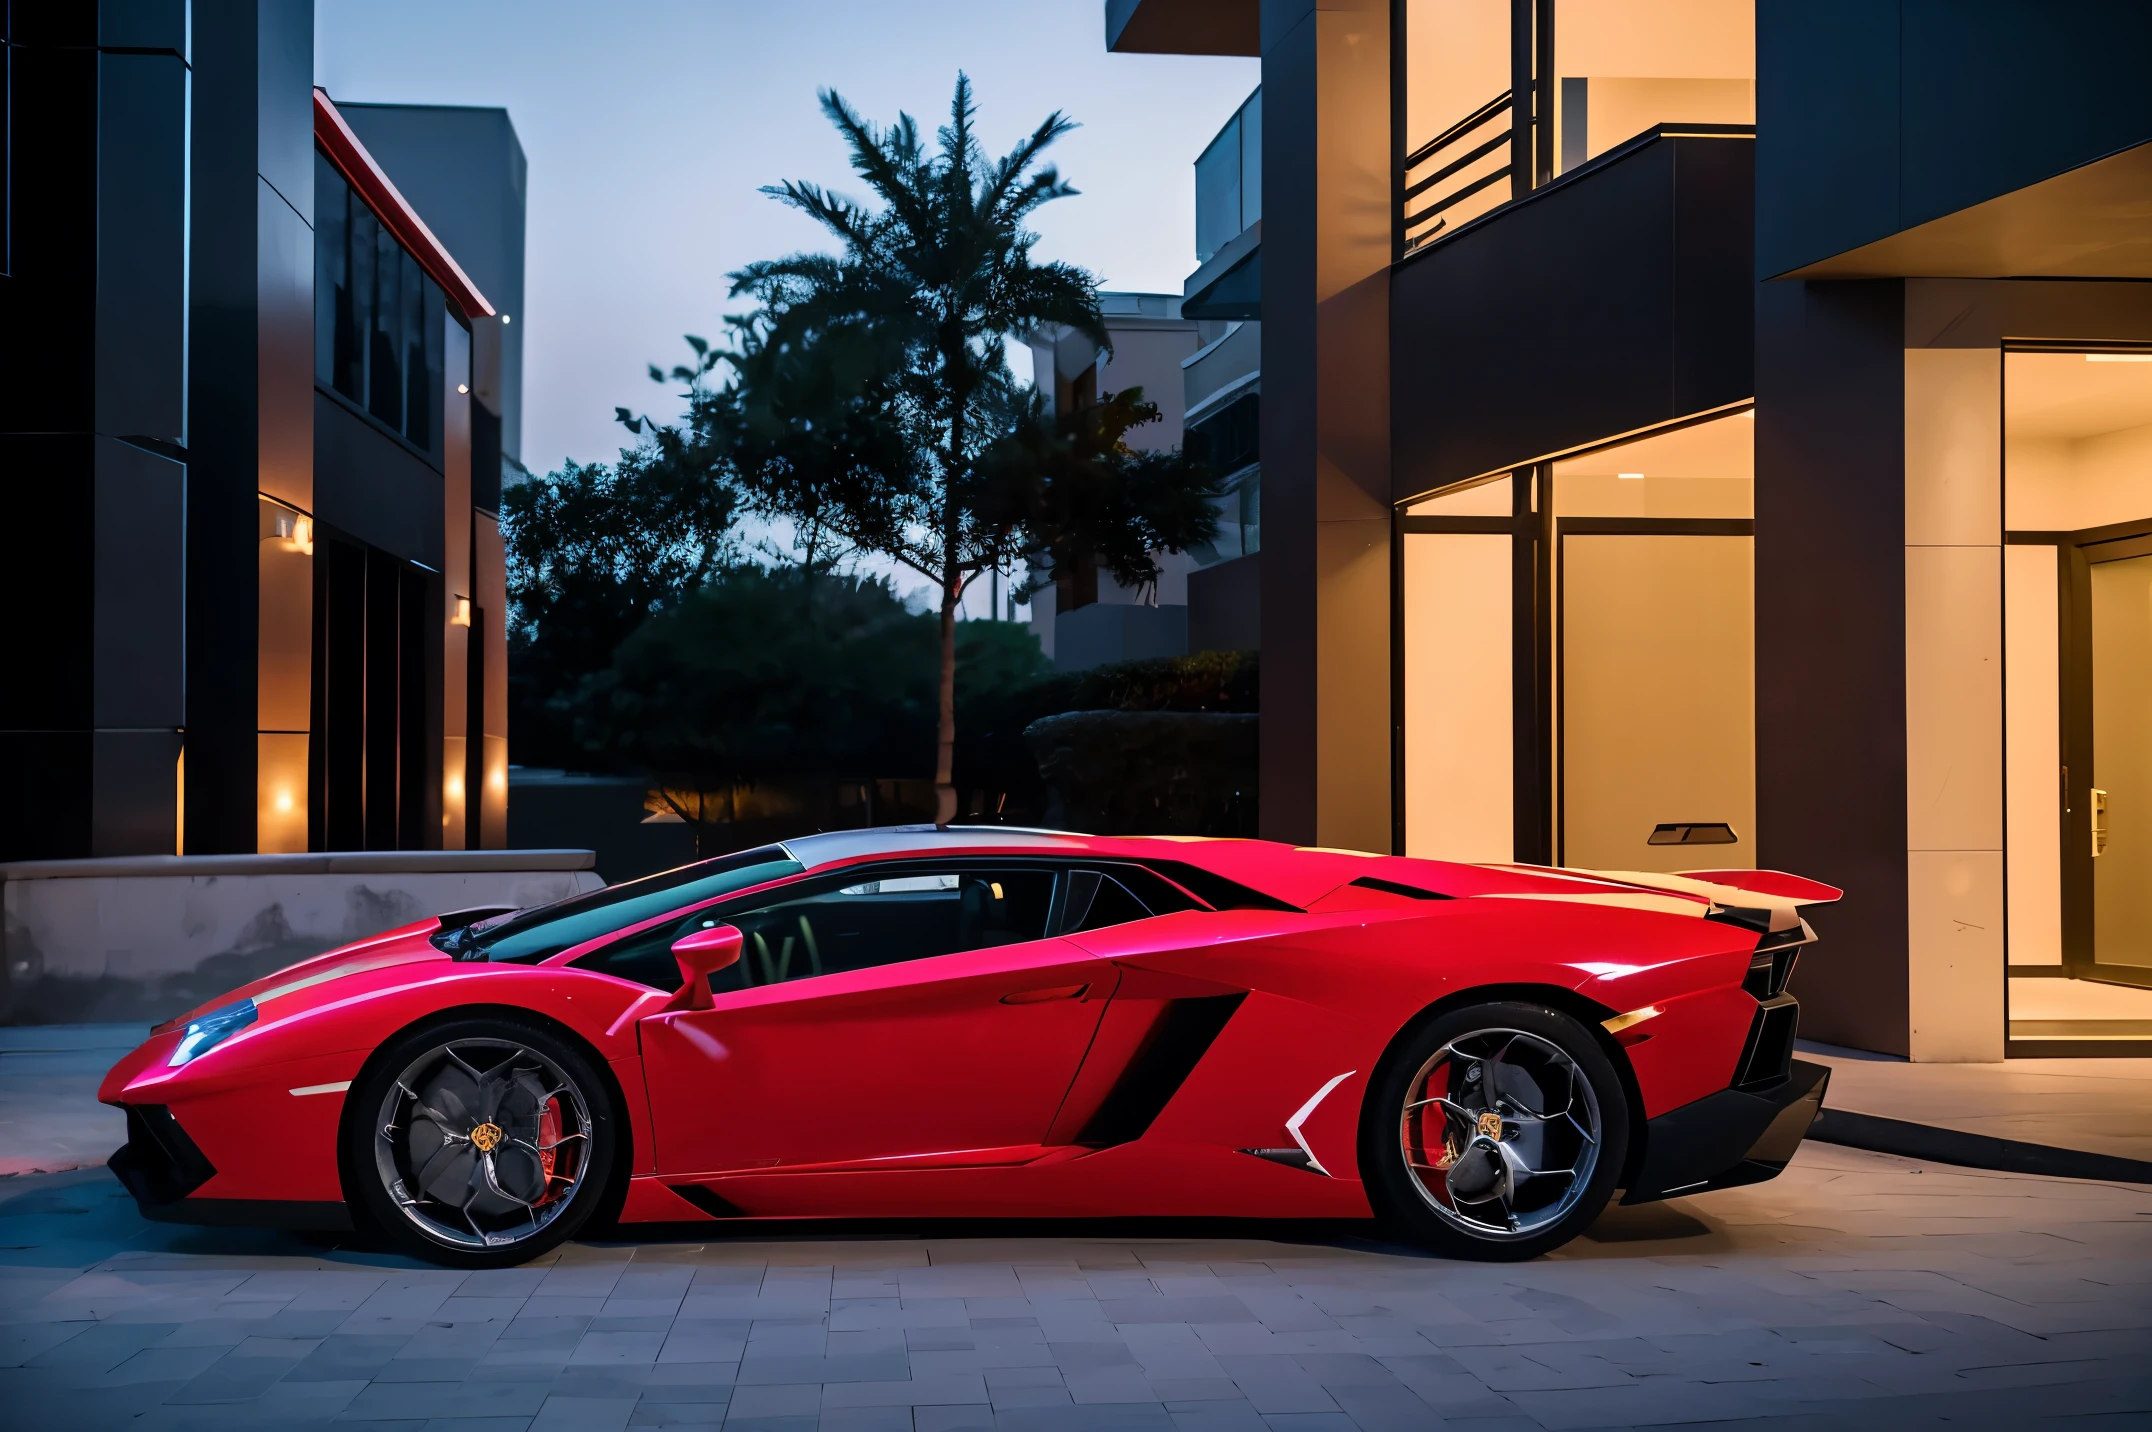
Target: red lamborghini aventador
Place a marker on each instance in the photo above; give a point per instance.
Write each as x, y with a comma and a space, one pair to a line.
994, 1022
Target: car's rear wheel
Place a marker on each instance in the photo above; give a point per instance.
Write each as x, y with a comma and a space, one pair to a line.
1495, 1131
479, 1143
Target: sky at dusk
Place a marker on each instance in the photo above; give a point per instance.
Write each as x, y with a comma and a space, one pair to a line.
649, 125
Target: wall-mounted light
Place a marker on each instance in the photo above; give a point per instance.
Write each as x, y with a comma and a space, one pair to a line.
283, 802
1630, 476
461, 615
455, 788
298, 531
506, 319
463, 387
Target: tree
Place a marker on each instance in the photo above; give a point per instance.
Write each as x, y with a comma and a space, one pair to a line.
1074, 491
593, 550
907, 322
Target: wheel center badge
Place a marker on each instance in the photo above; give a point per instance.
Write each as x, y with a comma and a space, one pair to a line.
487, 1137
1490, 1126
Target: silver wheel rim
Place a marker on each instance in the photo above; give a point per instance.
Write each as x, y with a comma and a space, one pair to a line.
524, 1165
1501, 1133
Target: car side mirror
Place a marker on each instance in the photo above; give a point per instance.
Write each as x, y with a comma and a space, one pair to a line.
701, 955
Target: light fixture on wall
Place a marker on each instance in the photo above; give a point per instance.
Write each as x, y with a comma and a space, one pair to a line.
461, 616
2118, 357
298, 531
1630, 476
506, 319
463, 387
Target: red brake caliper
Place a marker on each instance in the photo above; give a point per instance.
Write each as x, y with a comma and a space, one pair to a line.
548, 1135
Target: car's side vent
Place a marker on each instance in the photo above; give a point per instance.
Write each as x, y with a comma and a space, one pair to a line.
1177, 1043
1771, 966
707, 1201
1767, 1056
1391, 887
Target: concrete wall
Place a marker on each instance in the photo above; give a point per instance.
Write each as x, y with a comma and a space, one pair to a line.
145, 939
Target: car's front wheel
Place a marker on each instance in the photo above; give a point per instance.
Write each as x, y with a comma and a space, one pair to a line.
480, 1142
1495, 1132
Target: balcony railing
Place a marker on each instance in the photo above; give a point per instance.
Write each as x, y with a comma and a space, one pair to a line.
1416, 222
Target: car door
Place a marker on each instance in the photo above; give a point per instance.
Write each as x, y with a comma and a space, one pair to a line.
892, 1013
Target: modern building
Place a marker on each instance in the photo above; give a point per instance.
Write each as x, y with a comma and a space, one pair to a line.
1703, 433
1085, 618
255, 597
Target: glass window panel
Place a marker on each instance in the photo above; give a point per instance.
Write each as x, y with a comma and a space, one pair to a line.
1218, 192
1705, 470
434, 308
351, 338
332, 267
384, 357
1251, 160
418, 416
1489, 499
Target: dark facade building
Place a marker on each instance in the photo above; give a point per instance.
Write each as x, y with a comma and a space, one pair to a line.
253, 601
1700, 434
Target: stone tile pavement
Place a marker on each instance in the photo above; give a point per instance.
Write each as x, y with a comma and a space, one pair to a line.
1859, 1290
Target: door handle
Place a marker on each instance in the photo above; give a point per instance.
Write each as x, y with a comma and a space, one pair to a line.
1041, 996
2099, 822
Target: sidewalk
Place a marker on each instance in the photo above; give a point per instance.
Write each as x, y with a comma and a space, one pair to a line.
50, 1119
2078, 1118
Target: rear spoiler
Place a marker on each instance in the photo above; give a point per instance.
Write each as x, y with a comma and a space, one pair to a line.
1774, 896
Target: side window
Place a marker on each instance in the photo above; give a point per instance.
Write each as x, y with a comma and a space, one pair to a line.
1118, 896
850, 922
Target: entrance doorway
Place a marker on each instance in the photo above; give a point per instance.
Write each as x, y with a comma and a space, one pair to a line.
2078, 714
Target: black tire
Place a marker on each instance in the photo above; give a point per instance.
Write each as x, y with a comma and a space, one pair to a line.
398, 1166
1540, 1212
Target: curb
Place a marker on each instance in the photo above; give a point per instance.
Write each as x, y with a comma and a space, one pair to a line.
1937, 1145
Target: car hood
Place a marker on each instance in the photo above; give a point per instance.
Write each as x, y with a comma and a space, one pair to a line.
407, 944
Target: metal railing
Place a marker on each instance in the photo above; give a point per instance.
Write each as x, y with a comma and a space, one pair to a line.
1449, 140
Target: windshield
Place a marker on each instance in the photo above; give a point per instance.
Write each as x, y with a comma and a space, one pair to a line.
543, 932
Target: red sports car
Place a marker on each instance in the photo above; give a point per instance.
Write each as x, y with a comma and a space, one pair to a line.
993, 1022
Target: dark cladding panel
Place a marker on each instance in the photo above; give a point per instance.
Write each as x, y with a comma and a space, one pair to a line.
45, 633
45, 786
1998, 94
1830, 638
1875, 116
1608, 302
285, 66
139, 590
48, 385
141, 304
370, 485
1826, 128
134, 794
1715, 258
284, 279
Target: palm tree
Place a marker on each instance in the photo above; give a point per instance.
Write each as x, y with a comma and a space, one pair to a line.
938, 274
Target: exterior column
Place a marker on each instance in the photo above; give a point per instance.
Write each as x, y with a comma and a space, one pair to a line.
1326, 422
1831, 629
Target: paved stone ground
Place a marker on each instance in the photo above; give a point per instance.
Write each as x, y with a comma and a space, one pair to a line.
1859, 1290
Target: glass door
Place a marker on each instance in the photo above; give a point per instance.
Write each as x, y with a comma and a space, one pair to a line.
2108, 828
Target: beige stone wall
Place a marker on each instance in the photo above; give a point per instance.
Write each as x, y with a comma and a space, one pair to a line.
1954, 702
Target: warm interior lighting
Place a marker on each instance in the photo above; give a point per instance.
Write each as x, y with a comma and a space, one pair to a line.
463, 387
298, 531
455, 788
461, 616
2118, 357
498, 780
283, 802
1630, 476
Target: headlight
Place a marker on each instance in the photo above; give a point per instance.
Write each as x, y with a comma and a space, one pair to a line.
213, 1029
